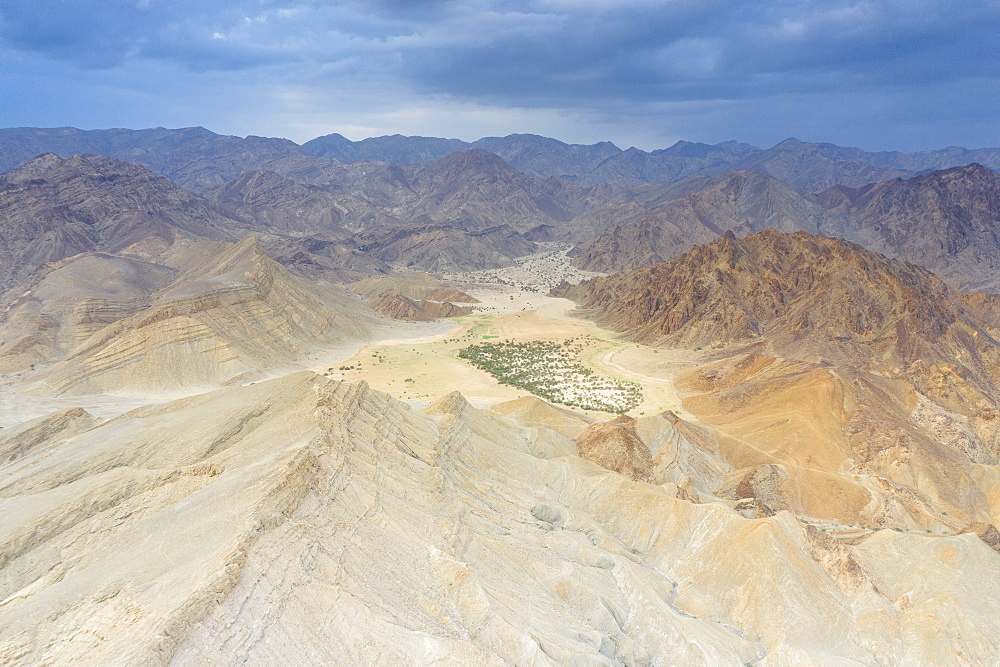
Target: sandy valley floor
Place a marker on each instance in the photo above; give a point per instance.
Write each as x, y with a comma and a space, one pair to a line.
514, 306
418, 362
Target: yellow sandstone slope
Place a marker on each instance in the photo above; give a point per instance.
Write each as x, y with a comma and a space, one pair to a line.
845, 445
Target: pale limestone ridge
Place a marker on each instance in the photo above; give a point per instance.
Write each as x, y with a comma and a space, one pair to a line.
220, 313
19, 441
413, 296
66, 302
307, 521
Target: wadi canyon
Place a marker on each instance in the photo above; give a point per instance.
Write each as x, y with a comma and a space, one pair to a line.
240, 424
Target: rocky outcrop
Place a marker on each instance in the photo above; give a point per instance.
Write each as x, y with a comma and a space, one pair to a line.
21, 440
806, 297
414, 285
615, 445
946, 221
399, 307
843, 445
758, 491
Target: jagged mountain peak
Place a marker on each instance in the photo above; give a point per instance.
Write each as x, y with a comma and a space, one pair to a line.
790, 142
971, 170
947, 220
699, 209
803, 296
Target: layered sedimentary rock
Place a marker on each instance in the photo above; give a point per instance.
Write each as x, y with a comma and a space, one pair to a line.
215, 313
401, 308
414, 296
846, 446
66, 302
309, 521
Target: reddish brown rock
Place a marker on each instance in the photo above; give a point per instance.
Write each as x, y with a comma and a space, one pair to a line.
615, 445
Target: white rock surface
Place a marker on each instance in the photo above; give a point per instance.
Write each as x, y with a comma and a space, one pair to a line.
306, 521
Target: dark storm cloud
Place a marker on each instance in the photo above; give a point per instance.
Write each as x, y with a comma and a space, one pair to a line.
89, 34
682, 51
103, 34
538, 51
622, 61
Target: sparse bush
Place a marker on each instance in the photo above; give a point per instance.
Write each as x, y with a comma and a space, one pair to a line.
547, 369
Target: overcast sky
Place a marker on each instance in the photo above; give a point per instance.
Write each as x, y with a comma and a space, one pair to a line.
889, 74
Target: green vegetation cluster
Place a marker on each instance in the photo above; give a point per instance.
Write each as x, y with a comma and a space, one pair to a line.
552, 371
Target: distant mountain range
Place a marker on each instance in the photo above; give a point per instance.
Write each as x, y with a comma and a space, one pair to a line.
947, 221
191, 157
446, 215
808, 165
197, 158
697, 211
482, 207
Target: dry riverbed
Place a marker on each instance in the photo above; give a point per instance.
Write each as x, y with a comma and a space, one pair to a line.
515, 307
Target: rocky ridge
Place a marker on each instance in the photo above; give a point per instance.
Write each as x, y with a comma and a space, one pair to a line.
803, 297
562, 560
446, 249
55, 207
413, 296
946, 221
841, 378
216, 312
271, 201
699, 210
